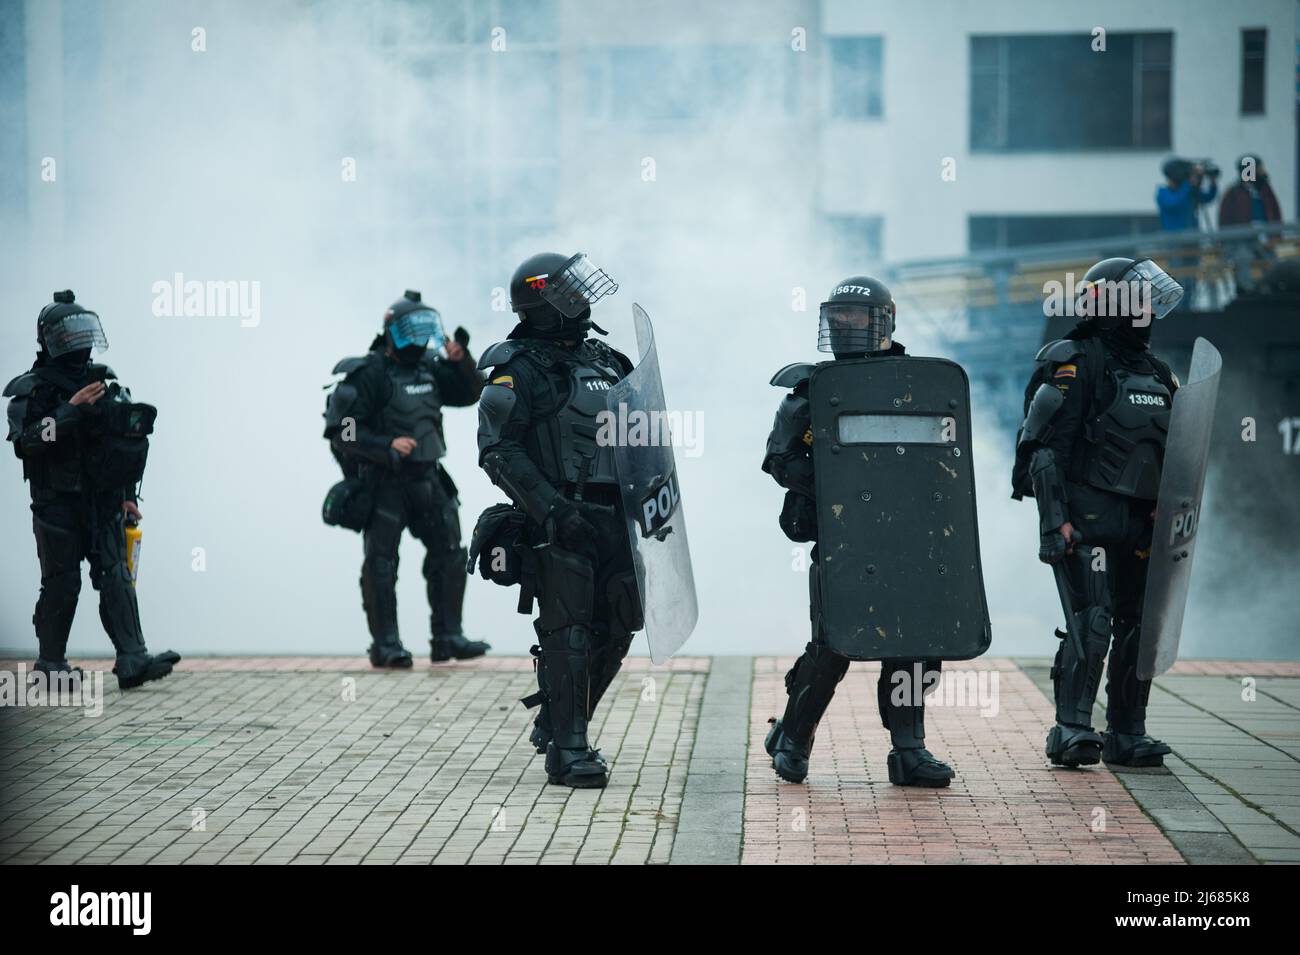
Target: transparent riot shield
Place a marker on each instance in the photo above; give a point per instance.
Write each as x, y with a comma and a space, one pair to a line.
1178, 512
652, 499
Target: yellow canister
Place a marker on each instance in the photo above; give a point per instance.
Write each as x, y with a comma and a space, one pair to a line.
133, 551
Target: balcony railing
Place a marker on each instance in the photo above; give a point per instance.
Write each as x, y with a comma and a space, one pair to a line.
1214, 266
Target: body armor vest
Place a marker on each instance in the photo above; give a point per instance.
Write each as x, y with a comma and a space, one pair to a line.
1125, 443
565, 448
414, 410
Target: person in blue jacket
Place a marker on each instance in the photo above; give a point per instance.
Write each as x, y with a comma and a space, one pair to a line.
1188, 186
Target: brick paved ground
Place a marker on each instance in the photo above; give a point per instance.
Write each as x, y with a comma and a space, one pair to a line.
1006, 804
430, 765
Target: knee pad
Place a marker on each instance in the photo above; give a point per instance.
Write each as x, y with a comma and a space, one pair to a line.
380, 570
62, 586
445, 561
565, 590
110, 576
58, 549
827, 663
624, 602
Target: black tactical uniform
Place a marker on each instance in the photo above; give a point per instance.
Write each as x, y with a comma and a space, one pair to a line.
857, 320
1090, 452
399, 390
82, 462
538, 442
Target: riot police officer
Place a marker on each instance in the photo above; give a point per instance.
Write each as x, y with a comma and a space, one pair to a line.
1090, 453
384, 423
538, 443
857, 321
83, 444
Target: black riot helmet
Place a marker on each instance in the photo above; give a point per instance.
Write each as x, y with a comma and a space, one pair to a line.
1123, 295
552, 294
66, 329
411, 326
857, 319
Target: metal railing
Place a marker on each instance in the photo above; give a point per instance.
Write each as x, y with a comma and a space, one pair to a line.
948, 293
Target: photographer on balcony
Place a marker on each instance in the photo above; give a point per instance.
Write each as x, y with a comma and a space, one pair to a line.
1189, 186
1250, 200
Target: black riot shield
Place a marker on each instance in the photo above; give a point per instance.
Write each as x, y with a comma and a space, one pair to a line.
898, 544
1178, 512
640, 433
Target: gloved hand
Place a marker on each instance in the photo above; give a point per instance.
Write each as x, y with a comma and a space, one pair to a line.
1051, 547
461, 336
572, 530
799, 517
1054, 545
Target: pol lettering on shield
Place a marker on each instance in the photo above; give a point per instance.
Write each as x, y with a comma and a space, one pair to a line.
659, 507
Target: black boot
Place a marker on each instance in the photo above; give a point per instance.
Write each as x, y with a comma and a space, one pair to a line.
811, 685
1076, 679
570, 760
1126, 742
902, 711
1073, 746
57, 677
455, 646
379, 600
389, 655
789, 759
120, 615
918, 767
1128, 749
444, 577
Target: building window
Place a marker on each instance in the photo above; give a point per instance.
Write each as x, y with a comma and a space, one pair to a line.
1039, 93
1252, 71
857, 77
688, 84
855, 242
991, 233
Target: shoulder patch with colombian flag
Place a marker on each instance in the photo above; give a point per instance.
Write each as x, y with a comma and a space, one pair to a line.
506, 380
1069, 370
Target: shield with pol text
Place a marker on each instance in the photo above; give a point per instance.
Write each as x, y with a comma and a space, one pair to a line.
638, 427
1178, 512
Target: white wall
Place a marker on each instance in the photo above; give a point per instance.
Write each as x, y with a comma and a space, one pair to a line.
892, 166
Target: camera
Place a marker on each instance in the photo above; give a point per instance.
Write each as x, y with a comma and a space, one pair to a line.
1180, 170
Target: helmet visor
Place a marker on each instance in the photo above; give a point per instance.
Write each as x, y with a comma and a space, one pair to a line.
853, 328
420, 328
73, 332
576, 286
1164, 292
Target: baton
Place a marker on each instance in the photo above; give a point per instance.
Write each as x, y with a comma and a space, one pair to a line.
1063, 590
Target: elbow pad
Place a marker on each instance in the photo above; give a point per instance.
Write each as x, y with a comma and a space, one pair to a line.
523, 482
33, 439
1037, 429
794, 473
